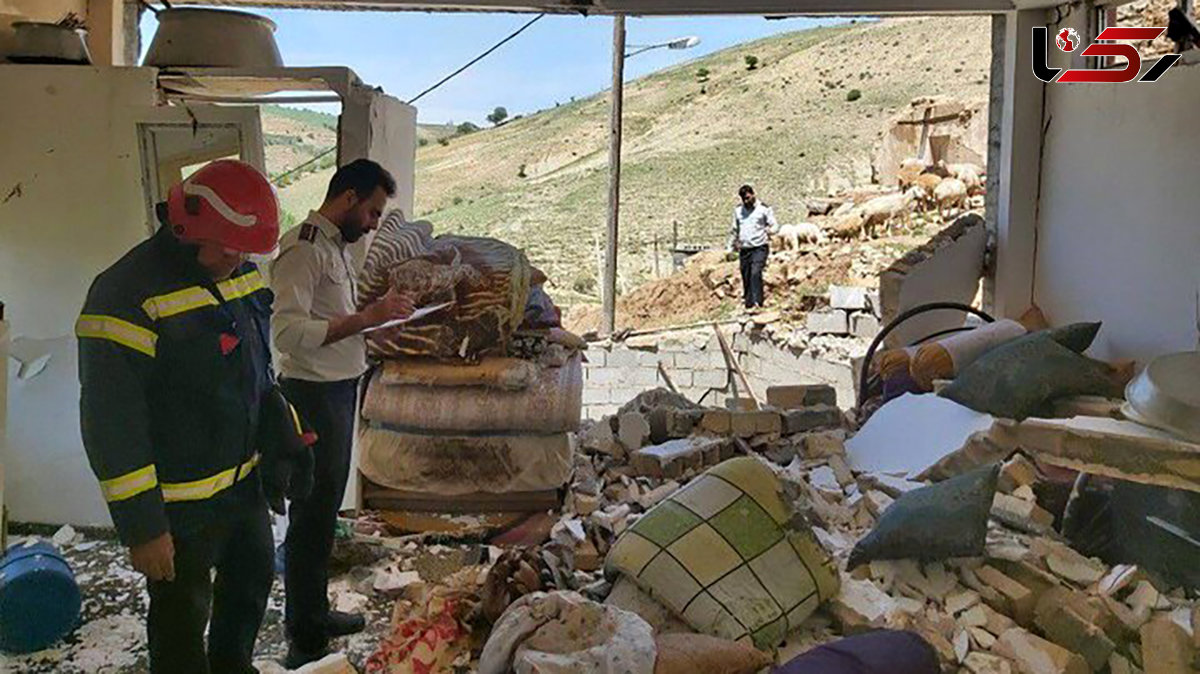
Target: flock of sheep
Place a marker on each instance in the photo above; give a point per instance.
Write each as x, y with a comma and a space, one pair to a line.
923, 187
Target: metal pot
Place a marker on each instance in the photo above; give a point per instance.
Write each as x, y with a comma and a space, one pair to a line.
36, 42
1166, 395
213, 38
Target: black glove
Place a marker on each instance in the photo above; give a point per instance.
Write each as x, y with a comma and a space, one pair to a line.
285, 443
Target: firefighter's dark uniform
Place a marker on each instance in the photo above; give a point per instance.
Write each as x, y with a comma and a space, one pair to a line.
173, 366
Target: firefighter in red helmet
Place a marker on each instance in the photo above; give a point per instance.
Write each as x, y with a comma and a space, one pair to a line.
176, 376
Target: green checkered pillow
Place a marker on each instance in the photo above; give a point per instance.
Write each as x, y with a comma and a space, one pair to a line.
720, 554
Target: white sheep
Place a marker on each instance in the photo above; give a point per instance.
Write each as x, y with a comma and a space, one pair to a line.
909, 170
970, 174
801, 232
951, 192
847, 225
880, 210
927, 183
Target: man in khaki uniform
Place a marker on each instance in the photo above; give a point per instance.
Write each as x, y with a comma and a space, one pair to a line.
317, 331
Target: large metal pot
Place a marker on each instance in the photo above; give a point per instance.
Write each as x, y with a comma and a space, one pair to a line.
1166, 395
35, 42
213, 38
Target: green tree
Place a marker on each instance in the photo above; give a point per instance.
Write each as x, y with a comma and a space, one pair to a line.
853, 95
498, 115
751, 62
465, 128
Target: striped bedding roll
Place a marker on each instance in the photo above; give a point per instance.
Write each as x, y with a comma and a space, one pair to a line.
395, 241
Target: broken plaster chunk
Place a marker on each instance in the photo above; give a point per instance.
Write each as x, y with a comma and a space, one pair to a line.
878, 502
657, 495
1166, 648
1146, 597
1119, 664
633, 431
1075, 567
1017, 472
860, 605
844, 476
599, 438
585, 504
984, 663
1025, 493
982, 638
975, 616
1023, 515
961, 601
825, 480
1035, 655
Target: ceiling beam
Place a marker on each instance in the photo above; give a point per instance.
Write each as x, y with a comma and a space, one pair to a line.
656, 7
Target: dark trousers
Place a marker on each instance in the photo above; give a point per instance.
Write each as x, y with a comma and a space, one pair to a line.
753, 260
237, 543
329, 408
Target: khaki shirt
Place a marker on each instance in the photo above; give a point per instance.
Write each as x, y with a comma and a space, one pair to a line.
313, 283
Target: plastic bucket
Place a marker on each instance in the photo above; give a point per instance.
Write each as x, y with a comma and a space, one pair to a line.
39, 598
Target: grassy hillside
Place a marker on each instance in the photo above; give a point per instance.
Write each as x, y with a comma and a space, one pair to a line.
787, 126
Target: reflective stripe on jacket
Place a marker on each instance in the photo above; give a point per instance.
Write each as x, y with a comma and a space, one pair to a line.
172, 367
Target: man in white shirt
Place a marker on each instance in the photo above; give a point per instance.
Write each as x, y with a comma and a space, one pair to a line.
317, 330
753, 225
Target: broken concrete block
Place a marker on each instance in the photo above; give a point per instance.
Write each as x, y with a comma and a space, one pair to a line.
982, 638
811, 418
983, 663
585, 504
748, 424
823, 479
1034, 655
719, 422
633, 431
673, 458
889, 484
961, 601
877, 502
1166, 648
1145, 597
587, 557
1068, 564
613, 518
997, 623
1020, 514
795, 396
975, 616
1015, 473
599, 438
864, 326
1068, 629
848, 297
1025, 493
824, 444
860, 606
1019, 601
1119, 664
391, 581
842, 470
682, 423
833, 322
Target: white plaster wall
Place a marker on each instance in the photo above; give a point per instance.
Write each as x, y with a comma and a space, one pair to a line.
70, 146
1119, 230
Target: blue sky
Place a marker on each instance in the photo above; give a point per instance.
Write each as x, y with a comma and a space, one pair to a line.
557, 58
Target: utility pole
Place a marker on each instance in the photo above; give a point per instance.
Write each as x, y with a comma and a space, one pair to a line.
609, 290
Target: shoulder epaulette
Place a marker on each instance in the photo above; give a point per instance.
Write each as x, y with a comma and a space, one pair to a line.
308, 232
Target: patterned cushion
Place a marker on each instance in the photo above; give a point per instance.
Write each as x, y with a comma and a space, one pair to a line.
395, 241
721, 554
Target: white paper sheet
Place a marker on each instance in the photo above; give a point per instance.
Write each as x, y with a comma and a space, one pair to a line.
417, 314
911, 433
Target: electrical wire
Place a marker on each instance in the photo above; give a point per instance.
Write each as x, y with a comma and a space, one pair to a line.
279, 178
477, 59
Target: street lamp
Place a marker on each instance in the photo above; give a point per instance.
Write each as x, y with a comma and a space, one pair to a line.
614, 159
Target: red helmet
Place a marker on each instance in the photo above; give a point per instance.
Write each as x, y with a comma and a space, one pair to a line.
227, 202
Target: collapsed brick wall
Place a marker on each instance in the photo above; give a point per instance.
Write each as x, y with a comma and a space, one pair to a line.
616, 373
